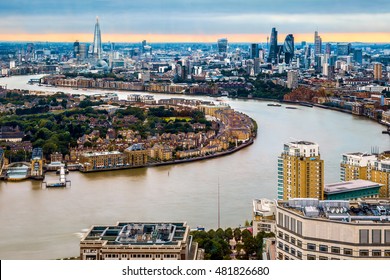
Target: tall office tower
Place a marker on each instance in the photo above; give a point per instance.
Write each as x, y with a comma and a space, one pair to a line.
377, 71
256, 65
97, 41
307, 57
292, 79
300, 171
303, 45
143, 46
222, 45
273, 47
318, 63
328, 48
358, 55
76, 49
254, 51
343, 49
83, 51
30, 52
317, 44
288, 48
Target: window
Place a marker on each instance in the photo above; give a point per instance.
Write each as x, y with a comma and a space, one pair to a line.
286, 258
280, 234
299, 243
293, 251
387, 236
376, 236
376, 253
280, 219
311, 257
293, 225
280, 256
280, 245
322, 258
363, 236
287, 222
335, 259
286, 248
292, 240
299, 255
348, 252
363, 253
299, 229
286, 237
387, 253
323, 248
335, 250
311, 246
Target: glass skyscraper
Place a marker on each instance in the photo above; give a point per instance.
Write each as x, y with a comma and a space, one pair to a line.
273, 48
97, 40
288, 48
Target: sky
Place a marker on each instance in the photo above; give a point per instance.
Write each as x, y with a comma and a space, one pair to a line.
194, 20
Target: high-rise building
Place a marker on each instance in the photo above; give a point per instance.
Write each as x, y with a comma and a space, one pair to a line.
312, 229
358, 55
254, 51
343, 49
83, 51
292, 79
76, 49
300, 171
377, 71
97, 41
288, 48
273, 47
317, 44
364, 166
222, 45
328, 48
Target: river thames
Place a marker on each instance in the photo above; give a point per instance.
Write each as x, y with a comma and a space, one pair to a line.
48, 224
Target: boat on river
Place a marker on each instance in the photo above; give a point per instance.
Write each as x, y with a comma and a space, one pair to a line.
274, 104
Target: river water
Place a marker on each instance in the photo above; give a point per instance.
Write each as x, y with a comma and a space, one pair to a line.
48, 224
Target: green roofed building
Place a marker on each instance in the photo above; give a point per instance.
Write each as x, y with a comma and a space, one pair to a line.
352, 190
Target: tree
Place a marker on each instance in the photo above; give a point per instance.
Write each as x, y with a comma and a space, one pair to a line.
49, 148
237, 234
228, 234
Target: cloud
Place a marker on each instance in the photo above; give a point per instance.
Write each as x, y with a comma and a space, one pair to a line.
194, 17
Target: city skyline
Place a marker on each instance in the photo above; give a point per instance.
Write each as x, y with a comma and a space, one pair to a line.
187, 21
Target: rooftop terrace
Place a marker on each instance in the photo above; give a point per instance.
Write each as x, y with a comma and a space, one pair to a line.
373, 210
124, 233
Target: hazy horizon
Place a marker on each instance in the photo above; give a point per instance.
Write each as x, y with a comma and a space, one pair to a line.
195, 21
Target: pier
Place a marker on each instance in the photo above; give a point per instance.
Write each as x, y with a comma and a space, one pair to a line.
62, 183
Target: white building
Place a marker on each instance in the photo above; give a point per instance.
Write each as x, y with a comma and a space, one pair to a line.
310, 229
263, 215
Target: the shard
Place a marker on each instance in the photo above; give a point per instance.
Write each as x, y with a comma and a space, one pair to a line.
97, 40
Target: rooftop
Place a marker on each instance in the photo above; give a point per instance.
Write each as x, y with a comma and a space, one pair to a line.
147, 234
348, 186
90, 154
363, 211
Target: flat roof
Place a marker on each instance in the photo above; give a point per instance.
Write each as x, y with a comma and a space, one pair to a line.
139, 233
363, 211
101, 153
349, 186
